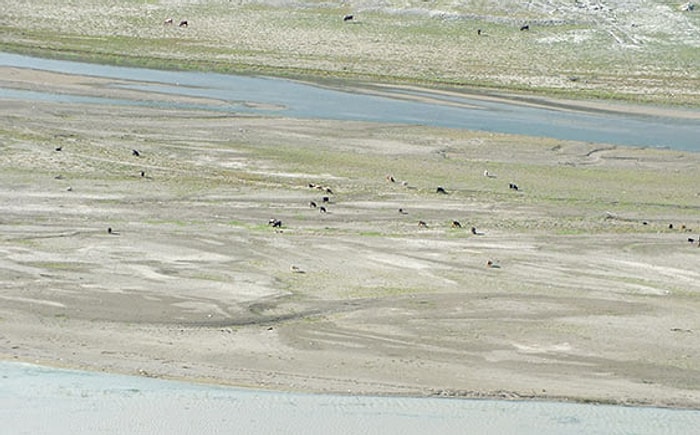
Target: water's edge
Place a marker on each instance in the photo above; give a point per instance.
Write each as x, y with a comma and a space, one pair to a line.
245, 94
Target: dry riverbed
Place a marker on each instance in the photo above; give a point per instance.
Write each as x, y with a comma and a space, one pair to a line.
593, 296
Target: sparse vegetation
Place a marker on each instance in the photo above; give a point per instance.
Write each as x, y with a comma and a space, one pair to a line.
642, 50
575, 282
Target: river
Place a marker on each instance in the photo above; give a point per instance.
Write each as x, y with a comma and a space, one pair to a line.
41, 400
282, 97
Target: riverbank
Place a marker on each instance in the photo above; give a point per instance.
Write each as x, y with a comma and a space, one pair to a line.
591, 295
642, 51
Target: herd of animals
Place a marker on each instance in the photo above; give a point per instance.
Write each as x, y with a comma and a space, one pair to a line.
326, 199
346, 18
327, 192
276, 223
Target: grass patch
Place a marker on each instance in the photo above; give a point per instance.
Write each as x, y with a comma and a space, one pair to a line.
72, 267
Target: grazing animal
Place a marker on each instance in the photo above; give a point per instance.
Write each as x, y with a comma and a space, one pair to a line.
513, 186
168, 22
296, 269
478, 32
691, 240
390, 178
525, 27
312, 185
473, 230
441, 189
492, 265
183, 23
135, 153
109, 230
312, 204
275, 223
328, 190
456, 224
143, 174
326, 199
422, 224
402, 211
688, 7
322, 209
58, 148
670, 226
348, 17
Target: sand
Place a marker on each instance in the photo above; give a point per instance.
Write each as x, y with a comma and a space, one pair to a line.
594, 297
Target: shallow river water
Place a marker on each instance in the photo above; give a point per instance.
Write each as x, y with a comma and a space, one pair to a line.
281, 97
41, 400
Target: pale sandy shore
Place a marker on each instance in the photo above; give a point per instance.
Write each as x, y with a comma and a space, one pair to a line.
595, 297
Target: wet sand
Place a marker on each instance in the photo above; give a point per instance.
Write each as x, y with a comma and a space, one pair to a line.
593, 297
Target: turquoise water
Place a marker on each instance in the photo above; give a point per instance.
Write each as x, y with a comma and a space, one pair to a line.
302, 100
41, 400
